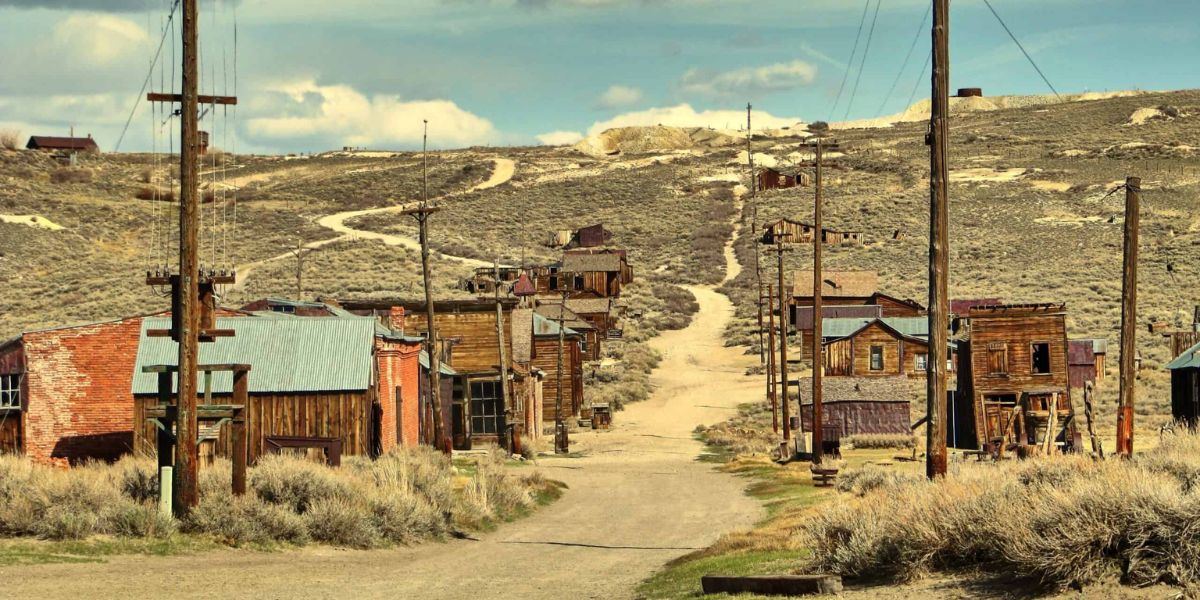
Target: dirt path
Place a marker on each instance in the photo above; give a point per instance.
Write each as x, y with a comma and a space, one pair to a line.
637, 499
502, 172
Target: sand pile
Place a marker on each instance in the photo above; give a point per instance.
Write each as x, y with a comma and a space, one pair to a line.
658, 138
920, 111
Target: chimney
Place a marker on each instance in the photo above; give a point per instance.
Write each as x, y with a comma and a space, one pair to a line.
396, 318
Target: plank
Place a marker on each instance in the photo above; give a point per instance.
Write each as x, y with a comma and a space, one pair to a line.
161, 97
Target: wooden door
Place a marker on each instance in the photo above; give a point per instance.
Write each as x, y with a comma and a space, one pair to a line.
10, 431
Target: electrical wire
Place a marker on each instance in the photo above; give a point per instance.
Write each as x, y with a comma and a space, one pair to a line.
904, 65
146, 82
846, 75
920, 77
863, 62
1018, 43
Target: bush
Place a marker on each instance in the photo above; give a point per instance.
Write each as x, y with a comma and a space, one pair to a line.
71, 175
880, 441
10, 139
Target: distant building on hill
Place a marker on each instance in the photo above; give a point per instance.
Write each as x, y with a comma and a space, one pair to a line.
62, 144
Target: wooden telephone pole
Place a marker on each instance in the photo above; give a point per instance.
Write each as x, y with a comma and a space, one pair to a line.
561, 444
939, 263
754, 228
1133, 198
772, 388
435, 360
505, 403
784, 386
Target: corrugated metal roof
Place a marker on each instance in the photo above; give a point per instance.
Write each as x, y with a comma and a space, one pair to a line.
1190, 359
443, 368
543, 326
285, 355
859, 311
840, 328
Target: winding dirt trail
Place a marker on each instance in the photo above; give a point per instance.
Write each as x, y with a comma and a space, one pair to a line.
502, 172
638, 498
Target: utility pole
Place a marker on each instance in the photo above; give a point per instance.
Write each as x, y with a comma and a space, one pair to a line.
818, 353
939, 262
561, 445
772, 388
1133, 198
435, 360
503, 352
187, 456
299, 269
785, 388
754, 227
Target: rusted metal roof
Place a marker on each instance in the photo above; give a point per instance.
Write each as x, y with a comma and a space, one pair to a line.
583, 306
285, 354
1081, 352
524, 286
960, 307
545, 327
804, 314
881, 389
48, 142
837, 284
556, 312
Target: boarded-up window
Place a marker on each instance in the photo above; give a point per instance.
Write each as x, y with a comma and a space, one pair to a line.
1040, 356
485, 407
876, 358
997, 355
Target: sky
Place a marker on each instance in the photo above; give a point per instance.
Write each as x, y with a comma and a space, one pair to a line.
315, 75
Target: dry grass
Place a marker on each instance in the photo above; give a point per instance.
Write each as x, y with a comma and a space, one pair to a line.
71, 175
1064, 520
874, 441
401, 498
10, 139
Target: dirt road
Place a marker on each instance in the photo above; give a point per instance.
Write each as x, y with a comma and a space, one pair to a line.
637, 499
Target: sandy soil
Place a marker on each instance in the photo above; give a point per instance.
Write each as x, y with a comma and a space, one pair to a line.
32, 221
637, 499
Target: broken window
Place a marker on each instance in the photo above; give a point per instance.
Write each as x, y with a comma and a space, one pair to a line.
10, 391
579, 284
922, 362
486, 407
1040, 355
554, 282
876, 358
997, 354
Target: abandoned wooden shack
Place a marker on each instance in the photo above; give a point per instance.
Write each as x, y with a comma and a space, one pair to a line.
593, 273
860, 405
797, 232
1013, 380
878, 347
1185, 387
483, 281
62, 144
313, 382
592, 236
842, 289
772, 178
602, 314
544, 357
589, 335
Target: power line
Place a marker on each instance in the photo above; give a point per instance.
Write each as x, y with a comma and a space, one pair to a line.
846, 75
863, 63
146, 82
920, 77
1018, 43
904, 65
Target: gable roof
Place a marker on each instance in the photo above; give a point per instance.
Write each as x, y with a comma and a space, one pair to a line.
543, 327
307, 354
582, 306
837, 284
49, 142
916, 327
553, 312
1190, 359
585, 262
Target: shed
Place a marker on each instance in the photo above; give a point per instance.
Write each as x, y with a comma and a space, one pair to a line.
857, 405
62, 144
1185, 386
1081, 362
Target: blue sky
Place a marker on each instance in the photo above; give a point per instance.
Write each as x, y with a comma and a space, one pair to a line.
314, 74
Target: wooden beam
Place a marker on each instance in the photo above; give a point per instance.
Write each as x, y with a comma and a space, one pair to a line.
161, 97
201, 368
1133, 188
204, 412
939, 251
241, 396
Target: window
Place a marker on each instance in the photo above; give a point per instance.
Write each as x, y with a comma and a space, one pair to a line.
1039, 353
283, 308
554, 282
997, 356
10, 391
876, 358
579, 284
486, 407
922, 362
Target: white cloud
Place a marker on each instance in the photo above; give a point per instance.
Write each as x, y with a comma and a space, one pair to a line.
341, 115
560, 138
97, 39
683, 115
748, 81
618, 96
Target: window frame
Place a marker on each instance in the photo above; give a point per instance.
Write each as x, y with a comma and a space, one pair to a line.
1002, 349
871, 362
1032, 363
921, 361
485, 395
10, 391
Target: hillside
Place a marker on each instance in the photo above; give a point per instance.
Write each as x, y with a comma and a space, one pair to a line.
1031, 218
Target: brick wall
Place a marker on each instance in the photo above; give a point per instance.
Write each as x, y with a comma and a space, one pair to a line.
79, 404
398, 365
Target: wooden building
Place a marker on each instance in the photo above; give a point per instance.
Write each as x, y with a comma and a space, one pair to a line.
592, 236
62, 144
601, 313
842, 289
1013, 380
340, 380
773, 179
1185, 386
589, 335
860, 405
535, 343
1086, 361
595, 273
881, 347
797, 232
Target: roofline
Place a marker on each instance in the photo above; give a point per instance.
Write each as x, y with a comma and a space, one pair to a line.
880, 320
419, 305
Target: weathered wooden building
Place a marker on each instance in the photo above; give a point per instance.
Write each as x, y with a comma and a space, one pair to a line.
592, 273
589, 339
842, 289
591, 236
544, 357
771, 178
1185, 386
1013, 380
1086, 361
337, 380
62, 144
797, 232
860, 405
601, 313
880, 347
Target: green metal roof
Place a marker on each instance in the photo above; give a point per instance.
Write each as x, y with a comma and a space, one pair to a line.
1190, 359
443, 368
285, 355
843, 327
543, 326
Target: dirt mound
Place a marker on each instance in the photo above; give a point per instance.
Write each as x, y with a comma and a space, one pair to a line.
921, 110
639, 140
1154, 113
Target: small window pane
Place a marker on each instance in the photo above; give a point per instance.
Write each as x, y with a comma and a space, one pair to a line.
876, 358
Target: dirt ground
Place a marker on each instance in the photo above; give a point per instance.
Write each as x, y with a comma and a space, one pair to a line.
638, 498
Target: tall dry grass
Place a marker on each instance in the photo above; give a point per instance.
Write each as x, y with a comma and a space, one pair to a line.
1063, 520
401, 498
10, 139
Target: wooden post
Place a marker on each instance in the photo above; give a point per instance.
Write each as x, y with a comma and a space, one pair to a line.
772, 386
754, 228
299, 270
939, 263
187, 456
785, 388
818, 353
241, 397
1089, 415
561, 445
1133, 189
505, 404
435, 360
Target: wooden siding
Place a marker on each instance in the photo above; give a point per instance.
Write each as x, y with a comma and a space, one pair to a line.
10, 432
348, 416
1185, 396
545, 357
852, 355
476, 349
